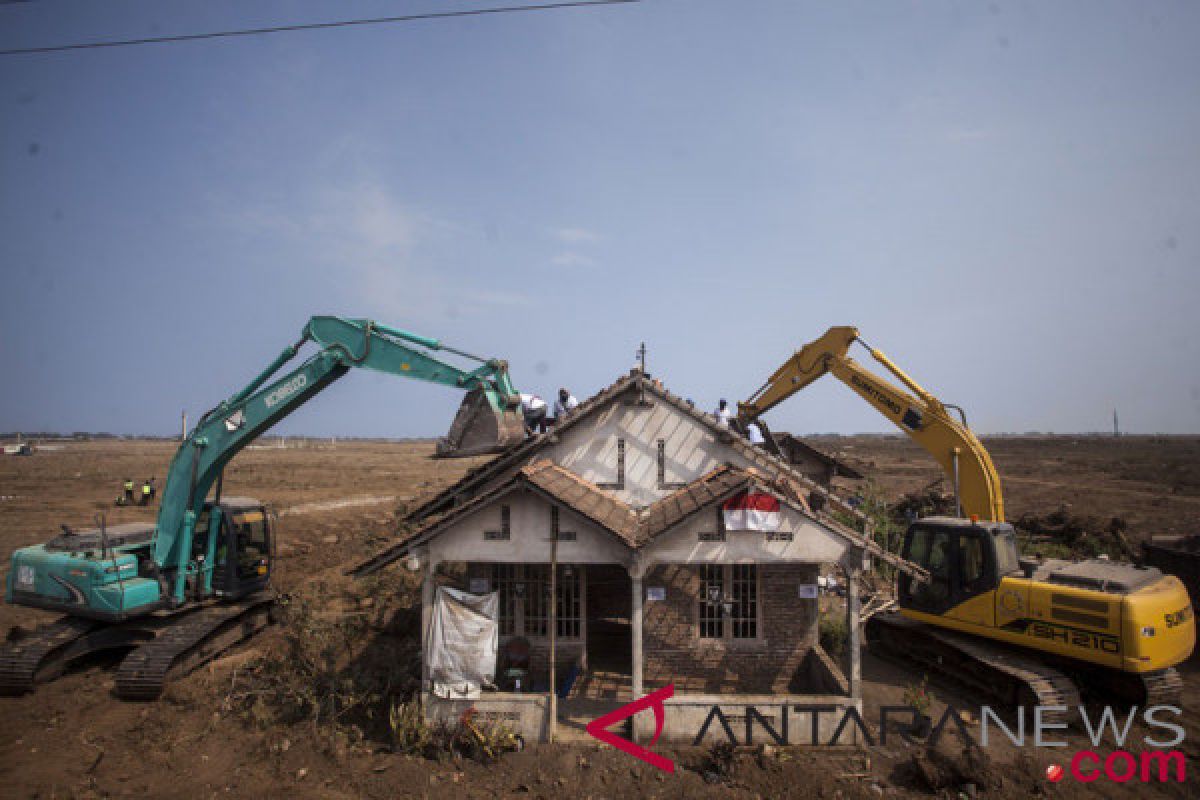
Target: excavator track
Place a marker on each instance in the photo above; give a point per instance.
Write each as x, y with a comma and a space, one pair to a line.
1162, 688
34, 658
194, 640
1003, 676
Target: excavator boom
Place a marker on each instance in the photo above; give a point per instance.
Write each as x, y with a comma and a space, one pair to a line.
175, 593
971, 611
919, 414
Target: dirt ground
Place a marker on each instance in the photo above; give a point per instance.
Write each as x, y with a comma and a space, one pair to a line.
339, 502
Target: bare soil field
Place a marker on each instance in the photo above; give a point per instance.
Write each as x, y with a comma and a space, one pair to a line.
237, 728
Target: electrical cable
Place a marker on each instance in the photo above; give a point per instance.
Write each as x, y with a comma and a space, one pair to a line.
187, 37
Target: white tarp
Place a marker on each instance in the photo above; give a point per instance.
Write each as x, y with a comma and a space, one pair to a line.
462, 642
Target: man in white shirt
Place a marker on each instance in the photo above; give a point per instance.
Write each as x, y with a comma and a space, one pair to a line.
755, 434
724, 413
534, 410
565, 402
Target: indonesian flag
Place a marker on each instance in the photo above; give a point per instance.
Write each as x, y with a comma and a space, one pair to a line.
751, 511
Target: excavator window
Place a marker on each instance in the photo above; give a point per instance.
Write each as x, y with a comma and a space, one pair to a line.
933, 550
973, 562
1008, 560
252, 543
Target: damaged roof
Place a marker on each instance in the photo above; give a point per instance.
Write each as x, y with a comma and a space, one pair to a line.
519, 468
786, 439
504, 466
634, 528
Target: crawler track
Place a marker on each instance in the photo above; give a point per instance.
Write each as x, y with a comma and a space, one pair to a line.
38, 657
998, 674
162, 646
193, 640
1162, 688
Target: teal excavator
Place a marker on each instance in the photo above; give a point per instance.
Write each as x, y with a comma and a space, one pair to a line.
176, 593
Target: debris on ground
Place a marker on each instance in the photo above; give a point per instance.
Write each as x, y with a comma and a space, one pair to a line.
936, 770
1065, 534
929, 501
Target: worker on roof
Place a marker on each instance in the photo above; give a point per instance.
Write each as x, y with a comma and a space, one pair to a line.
754, 433
128, 486
724, 413
533, 408
565, 402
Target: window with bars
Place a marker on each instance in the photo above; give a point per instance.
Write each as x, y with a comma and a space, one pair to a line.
524, 591
728, 592
712, 592
504, 581
569, 610
537, 587
744, 614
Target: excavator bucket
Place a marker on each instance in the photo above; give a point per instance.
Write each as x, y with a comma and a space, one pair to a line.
479, 429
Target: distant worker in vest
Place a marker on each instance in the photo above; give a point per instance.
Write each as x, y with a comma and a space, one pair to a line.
724, 413
145, 493
534, 410
153, 488
565, 402
754, 433
128, 486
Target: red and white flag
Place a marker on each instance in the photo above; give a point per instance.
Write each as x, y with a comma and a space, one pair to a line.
751, 511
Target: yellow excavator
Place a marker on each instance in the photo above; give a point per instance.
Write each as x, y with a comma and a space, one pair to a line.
1019, 631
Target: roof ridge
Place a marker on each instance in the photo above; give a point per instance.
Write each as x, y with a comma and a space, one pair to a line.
531, 445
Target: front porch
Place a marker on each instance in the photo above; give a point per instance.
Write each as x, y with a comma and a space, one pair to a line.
619, 635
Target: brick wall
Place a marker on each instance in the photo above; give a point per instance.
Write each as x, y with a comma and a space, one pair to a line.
673, 652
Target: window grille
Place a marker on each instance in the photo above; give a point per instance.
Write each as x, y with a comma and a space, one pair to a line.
504, 581
537, 587
569, 610
744, 614
728, 592
712, 592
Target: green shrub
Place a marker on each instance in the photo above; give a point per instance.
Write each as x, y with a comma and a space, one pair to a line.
833, 635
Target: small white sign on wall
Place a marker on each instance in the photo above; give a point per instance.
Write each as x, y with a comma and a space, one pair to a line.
808, 591
656, 593
479, 585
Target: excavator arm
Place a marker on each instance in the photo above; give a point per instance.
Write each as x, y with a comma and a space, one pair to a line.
919, 414
345, 343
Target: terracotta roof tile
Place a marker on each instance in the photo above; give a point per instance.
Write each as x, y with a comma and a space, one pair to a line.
518, 464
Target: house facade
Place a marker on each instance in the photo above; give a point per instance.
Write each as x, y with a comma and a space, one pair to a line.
679, 555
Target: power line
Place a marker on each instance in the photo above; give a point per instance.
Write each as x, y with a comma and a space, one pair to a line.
187, 37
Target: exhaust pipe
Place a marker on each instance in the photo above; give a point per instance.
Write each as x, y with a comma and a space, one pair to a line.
479, 428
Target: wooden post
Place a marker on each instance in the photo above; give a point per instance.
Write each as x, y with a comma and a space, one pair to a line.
552, 728
852, 626
636, 635
427, 587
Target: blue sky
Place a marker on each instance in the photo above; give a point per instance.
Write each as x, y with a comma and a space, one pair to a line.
1003, 197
